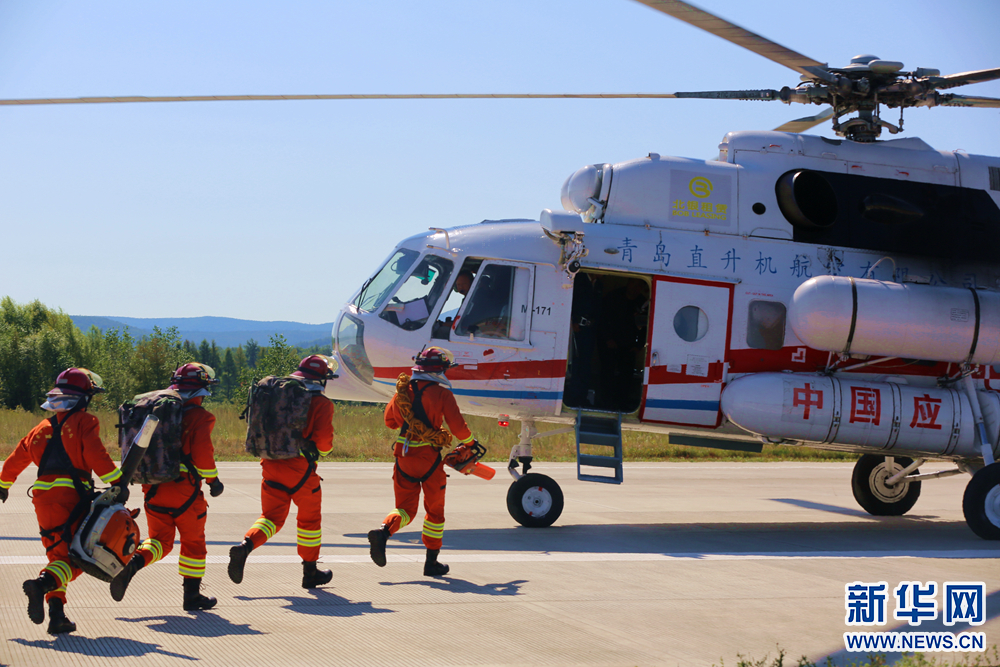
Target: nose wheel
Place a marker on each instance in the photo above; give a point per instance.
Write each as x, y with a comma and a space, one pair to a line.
535, 501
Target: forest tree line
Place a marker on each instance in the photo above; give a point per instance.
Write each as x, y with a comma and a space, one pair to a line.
37, 343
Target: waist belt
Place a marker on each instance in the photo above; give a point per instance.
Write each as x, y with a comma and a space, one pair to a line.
427, 475
293, 490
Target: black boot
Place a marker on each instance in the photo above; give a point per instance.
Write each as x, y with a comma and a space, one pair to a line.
58, 623
313, 578
120, 583
193, 599
378, 538
432, 568
36, 589
238, 559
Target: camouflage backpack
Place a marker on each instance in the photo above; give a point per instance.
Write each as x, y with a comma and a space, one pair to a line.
277, 412
162, 462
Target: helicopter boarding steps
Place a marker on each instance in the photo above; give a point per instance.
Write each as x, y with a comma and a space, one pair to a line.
601, 429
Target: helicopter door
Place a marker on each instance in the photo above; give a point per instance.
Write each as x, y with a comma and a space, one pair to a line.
503, 359
688, 351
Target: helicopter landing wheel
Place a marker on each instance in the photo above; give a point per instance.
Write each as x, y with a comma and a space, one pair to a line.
535, 501
981, 502
874, 495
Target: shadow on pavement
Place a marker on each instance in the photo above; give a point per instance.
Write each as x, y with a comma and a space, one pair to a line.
323, 603
198, 624
105, 647
900, 535
462, 586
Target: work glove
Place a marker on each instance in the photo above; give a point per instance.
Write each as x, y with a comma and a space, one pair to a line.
216, 487
122, 493
4, 492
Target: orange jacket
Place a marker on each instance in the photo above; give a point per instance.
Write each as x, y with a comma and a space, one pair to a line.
196, 438
82, 441
319, 429
439, 404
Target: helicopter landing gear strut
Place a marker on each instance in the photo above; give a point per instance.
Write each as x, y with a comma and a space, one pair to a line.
533, 500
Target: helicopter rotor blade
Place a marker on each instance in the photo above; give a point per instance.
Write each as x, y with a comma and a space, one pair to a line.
803, 124
373, 96
952, 100
720, 94
731, 32
955, 80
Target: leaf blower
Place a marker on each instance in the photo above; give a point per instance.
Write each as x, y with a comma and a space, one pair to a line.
465, 459
108, 535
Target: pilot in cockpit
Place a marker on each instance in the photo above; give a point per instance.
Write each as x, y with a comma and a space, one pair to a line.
463, 283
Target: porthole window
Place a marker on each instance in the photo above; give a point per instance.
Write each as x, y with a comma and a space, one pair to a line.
766, 325
691, 323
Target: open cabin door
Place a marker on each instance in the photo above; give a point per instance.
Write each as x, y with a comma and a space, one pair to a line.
689, 337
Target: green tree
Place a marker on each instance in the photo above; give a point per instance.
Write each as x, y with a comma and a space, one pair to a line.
36, 344
253, 350
157, 356
279, 359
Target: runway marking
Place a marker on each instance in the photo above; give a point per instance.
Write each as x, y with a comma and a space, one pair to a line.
588, 557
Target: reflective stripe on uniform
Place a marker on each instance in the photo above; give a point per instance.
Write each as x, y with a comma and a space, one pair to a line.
401, 440
208, 473
468, 441
153, 547
67, 482
112, 476
61, 570
265, 526
309, 538
191, 567
433, 529
5, 485
404, 518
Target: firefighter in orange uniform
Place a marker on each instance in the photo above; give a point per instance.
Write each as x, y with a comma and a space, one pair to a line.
180, 506
67, 448
295, 480
421, 404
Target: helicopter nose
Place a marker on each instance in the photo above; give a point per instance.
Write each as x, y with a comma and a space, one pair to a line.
356, 381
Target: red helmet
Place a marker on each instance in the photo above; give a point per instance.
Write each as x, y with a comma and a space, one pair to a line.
193, 376
78, 382
317, 367
433, 360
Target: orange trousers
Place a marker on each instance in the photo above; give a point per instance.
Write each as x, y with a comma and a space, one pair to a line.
190, 524
276, 503
416, 464
53, 508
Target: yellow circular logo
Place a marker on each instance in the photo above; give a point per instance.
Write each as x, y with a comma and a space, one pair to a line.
700, 187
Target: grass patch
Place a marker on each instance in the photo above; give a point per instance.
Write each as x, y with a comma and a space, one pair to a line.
988, 658
361, 435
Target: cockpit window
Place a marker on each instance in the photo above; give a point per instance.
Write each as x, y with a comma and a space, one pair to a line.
381, 285
411, 306
498, 305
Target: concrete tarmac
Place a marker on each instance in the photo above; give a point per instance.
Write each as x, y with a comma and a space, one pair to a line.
684, 564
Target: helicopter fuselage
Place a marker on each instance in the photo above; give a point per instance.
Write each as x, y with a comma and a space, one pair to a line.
721, 249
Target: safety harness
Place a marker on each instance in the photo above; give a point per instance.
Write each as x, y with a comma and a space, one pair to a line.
417, 424
55, 461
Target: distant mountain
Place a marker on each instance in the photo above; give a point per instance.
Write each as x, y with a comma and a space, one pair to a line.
225, 331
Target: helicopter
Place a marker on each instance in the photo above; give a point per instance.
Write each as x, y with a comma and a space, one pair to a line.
794, 289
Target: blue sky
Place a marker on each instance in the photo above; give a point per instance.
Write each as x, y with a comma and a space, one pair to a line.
279, 210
